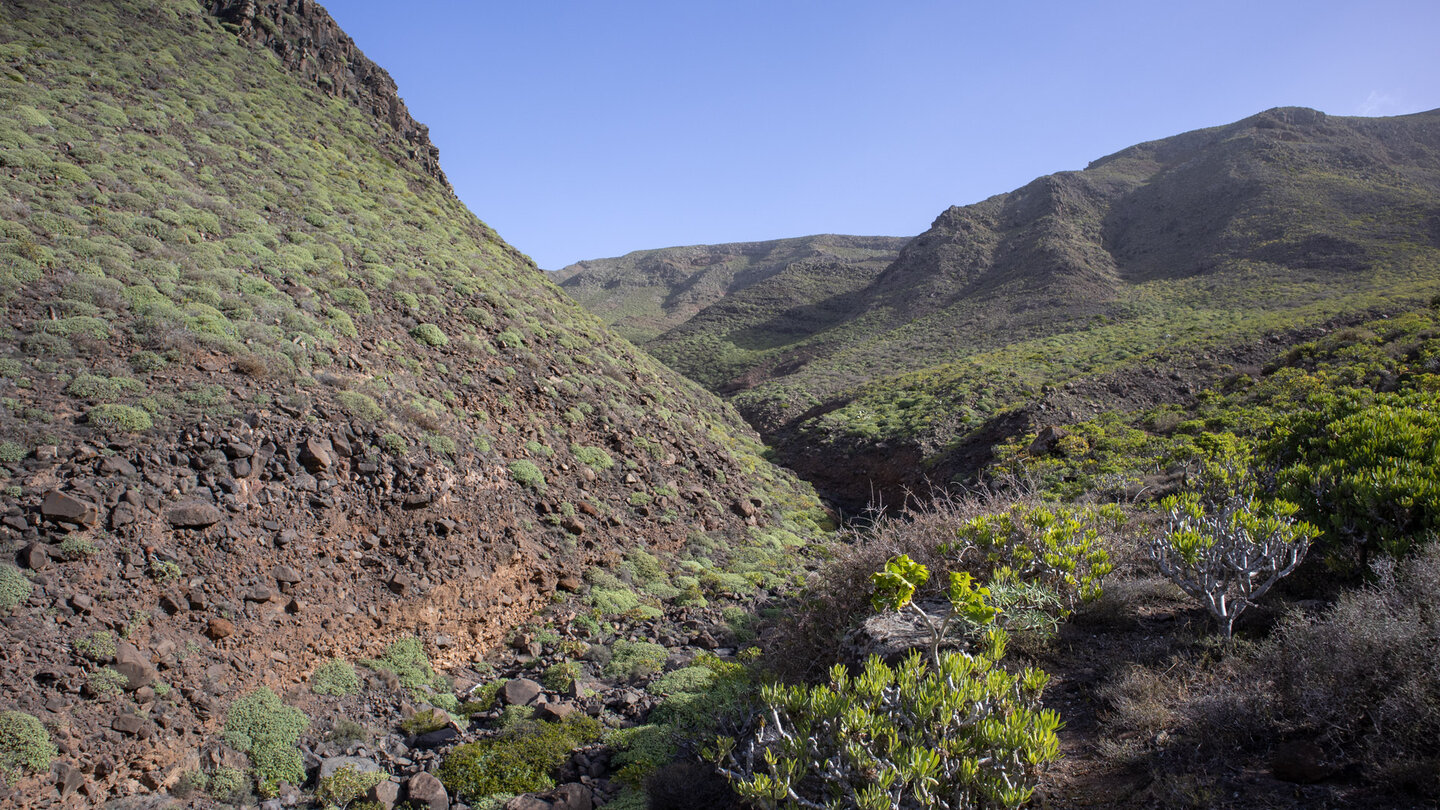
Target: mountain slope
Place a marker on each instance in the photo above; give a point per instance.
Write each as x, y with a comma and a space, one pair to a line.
1210, 238
642, 294
269, 394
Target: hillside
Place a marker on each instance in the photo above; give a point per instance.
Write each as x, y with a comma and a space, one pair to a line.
646, 293
1119, 279
272, 400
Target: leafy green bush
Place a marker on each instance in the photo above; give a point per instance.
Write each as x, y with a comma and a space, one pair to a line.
346, 785
24, 745
558, 677
947, 729
407, 659
636, 659
14, 587
519, 761
360, 406
612, 601
77, 547
260, 725
97, 646
335, 677
593, 457
429, 334
1056, 548
1369, 474
106, 682
113, 418
527, 474
228, 785
11, 451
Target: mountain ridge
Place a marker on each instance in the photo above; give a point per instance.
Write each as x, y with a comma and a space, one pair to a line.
1276, 222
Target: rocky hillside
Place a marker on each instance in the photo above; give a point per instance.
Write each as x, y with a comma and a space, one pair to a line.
270, 396
1118, 278
646, 293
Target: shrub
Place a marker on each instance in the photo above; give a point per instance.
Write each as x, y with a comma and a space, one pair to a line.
407, 659
260, 725
97, 646
106, 682
76, 547
521, 760
228, 785
119, 418
360, 406
429, 334
636, 659
24, 745
394, 444
347, 785
335, 677
558, 677
1364, 674
11, 452
14, 587
1368, 474
947, 729
527, 474
593, 457
346, 731
611, 601
1226, 546
1055, 548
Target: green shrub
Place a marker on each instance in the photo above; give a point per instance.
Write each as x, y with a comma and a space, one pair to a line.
346, 785
407, 659
612, 601
1056, 548
429, 334
260, 725
526, 474
636, 659
119, 418
76, 547
14, 587
11, 452
335, 677
692, 680
1225, 545
519, 761
593, 457
425, 722
24, 745
97, 646
360, 406
1368, 474
228, 785
558, 677
394, 444
106, 682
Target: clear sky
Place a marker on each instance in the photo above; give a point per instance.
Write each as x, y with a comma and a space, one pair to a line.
581, 129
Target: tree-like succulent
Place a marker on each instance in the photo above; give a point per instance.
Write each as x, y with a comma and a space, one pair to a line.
1226, 545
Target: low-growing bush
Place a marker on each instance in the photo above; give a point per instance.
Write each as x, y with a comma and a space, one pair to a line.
335, 677
14, 587
263, 727
24, 745
521, 760
113, 418
429, 334
346, 785
636, 659
526, 474
407, 659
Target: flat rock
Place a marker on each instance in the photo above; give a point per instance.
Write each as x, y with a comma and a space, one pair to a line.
134, 665
218, 628
424, 789
193, 515
286, 574
69, 509
520, 692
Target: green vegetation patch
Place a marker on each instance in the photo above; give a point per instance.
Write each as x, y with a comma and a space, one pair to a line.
24, 745
263, 727
522, 760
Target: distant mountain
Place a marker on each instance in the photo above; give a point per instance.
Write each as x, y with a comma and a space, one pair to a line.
271, 396
1173, 247
643, 294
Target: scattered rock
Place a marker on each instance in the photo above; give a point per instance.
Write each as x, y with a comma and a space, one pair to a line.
426, 790
193, 515
134, 665
69, 509
520, 692
330, 765
218, 628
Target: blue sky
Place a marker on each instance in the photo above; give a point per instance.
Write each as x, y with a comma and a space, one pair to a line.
581, 130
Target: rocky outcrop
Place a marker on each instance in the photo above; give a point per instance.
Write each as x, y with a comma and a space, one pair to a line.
310, 43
